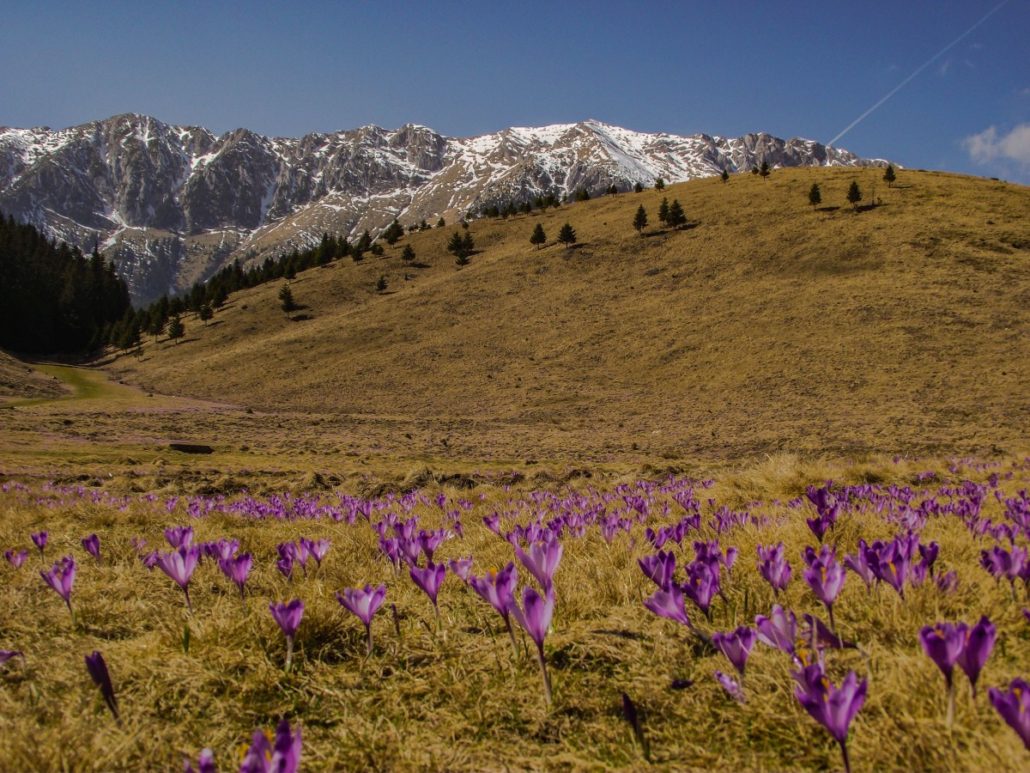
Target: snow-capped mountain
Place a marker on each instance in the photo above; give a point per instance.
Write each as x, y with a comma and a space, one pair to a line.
173, 204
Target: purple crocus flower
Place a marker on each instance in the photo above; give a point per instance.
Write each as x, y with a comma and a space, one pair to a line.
773, 566
824, 576
179, 565
834, 708
736, 646
461, 567
363, 602
179, 536
535, 617
943, 643
860, 565
288, 617
285, 566
205, 763
237, 568
61, 577
91, 545
16, 557
429, 580
542, 560
6, 655
1014, 707
670, 604
702, 585
730, 685
318, 549
281, 757
39, 539
101, 678
149, 560
496, 588
659, 568
979, 642
779, 630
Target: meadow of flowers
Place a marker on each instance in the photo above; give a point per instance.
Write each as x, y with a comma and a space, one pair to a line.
674, 623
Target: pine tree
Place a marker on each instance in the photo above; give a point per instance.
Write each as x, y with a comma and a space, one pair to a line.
663, 212
725, 176
815, 196
567, 235
640, 220
408, 253
613, 190
854, 195
205, 313
638, 188
454, 246
676, 217
659, 184
582, 195
441, 223
888, 176
468, 244
538, 238
286, 299
176, 329
381, 284
393, 232
763, 170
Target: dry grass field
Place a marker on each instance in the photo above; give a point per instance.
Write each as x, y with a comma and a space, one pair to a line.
766, 348
763, 326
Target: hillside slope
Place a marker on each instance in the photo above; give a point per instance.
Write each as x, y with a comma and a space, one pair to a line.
764, 325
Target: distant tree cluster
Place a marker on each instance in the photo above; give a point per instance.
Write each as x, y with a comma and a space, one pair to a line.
461, 246
525, 207
54, 299
672, 215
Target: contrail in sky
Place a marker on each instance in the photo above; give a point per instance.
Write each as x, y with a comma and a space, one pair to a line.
921, 67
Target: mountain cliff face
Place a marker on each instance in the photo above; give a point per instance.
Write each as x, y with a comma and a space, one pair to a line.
173, 204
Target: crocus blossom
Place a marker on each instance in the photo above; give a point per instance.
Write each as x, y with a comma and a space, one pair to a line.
670, 604
736, 646
288, 617
39, 539
179, 565
774, 567
205, 763
363, 602
6, 655
977, 647
778, 630
102, 678
832, 707
16, 557
91, 545
541, 560
943, 643
61, 577
730, 685
280, 756
237, 568
496, 588
1013, 705
535, 617
429, 580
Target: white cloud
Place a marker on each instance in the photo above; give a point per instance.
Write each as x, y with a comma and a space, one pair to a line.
989, 146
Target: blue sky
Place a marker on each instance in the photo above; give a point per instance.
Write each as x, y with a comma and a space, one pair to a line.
790, 68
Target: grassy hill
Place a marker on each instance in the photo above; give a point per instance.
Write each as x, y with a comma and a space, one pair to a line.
765, 325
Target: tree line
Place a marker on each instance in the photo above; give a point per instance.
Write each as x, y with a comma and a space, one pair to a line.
53, 298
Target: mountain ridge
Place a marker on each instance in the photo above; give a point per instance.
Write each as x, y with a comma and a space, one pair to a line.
174, 204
